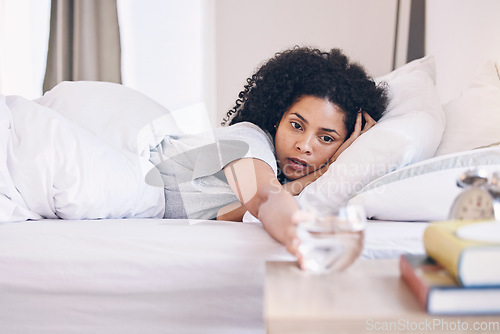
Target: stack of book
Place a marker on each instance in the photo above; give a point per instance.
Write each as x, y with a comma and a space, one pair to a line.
460, 274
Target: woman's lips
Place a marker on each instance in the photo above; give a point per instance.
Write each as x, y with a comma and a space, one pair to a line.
297, 164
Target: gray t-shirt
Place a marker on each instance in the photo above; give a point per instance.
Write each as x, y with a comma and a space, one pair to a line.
191, 167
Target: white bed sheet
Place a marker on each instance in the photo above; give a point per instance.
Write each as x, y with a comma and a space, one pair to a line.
149, 275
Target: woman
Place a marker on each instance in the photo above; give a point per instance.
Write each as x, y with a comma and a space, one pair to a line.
295, 116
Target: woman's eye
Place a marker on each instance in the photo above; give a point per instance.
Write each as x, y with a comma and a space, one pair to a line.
296, 125
327, 139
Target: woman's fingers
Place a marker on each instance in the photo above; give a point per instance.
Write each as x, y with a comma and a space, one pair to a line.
301, 216
354, 135
359, 129
293, 244
358, 126
369, 122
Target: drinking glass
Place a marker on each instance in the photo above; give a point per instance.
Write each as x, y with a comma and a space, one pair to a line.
331, 242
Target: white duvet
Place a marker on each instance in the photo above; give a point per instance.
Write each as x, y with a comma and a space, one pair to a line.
52, 167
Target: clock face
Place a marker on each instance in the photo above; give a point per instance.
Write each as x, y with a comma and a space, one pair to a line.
472, 204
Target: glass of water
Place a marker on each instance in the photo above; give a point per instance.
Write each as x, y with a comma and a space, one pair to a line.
332, 242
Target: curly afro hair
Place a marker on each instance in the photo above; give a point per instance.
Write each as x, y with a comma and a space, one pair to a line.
303, 71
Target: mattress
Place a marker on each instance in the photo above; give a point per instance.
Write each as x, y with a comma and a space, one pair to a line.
149, 275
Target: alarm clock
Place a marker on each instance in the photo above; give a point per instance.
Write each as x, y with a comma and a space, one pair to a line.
480, 199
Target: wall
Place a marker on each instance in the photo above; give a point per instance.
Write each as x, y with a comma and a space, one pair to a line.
461, 34
247, 33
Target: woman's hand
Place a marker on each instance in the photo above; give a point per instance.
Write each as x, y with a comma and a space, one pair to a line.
292, 240
359, 129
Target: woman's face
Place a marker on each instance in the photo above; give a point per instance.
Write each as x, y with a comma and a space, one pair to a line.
308, 135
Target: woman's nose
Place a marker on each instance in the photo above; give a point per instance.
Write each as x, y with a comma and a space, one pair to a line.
304, 144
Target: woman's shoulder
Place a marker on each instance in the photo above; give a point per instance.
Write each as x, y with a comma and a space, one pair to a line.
245, 125
247, 128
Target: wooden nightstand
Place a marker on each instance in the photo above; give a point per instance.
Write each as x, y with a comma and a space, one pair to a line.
369, 297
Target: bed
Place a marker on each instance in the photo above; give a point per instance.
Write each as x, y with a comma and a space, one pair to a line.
113, 265
147, 275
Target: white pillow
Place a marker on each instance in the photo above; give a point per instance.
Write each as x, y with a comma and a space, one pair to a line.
124, 117
473, 118
426, 190
409, 131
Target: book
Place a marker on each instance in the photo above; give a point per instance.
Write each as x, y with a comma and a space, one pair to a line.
469, 250
440, 294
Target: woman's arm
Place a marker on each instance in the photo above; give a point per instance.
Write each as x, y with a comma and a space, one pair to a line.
295, 187
235, 211
232, 212
260, 193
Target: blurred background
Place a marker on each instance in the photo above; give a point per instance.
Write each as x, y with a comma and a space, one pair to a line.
193, 55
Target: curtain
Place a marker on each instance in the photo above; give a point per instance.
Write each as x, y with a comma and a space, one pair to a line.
84, 42
416, 35
409, 36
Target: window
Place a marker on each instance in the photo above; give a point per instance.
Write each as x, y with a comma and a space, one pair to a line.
163, 52
24, 36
